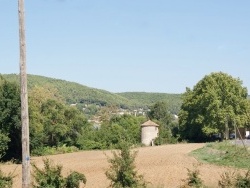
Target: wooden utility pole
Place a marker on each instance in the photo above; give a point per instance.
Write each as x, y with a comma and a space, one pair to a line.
24, 100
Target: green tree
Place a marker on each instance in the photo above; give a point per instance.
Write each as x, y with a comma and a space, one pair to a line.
76, 121
107, 112
54, 122
120, 127
51, 177
4, 140
10, 118
161, 114
159, 111
62, 124
37, 97
216, 101
122, 172
131, 126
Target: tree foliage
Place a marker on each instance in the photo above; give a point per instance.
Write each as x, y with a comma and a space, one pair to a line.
55, 124
6, 180
51, 177
59, 124
145, 100
193, 180
160, 113
10, 119
122, 171
215, 101
4, 140
82, 95
52, 123
110, 132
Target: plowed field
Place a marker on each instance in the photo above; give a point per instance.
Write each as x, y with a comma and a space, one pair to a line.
163, 166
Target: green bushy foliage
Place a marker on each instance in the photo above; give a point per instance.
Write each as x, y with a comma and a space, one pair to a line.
168, 128
43, 151
243, 181
122, 172
6, 181
193, 180
215, 100
4, 139
86, 144
107, 136
10, 120
51, 177
48, 177
74, 179
73, 92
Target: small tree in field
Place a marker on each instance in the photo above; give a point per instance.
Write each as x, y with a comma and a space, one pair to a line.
122, 172
51, 177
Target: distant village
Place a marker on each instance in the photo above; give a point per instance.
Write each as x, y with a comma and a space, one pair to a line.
96, 119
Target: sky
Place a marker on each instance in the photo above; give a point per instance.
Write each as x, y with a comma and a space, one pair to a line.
129, 45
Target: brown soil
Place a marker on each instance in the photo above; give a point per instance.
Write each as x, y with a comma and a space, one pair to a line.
163, 166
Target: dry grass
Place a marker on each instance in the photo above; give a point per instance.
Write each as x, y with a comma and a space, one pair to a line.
163, 166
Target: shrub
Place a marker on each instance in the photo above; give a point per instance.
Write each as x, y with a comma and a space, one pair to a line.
193, 179
6, 181
4, 140
243, 181
74, 179
54, 150
122, 171
50, 177
85, 144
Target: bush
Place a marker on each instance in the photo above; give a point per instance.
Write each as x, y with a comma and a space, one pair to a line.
4, 140
74, 179
54, 150
50, 177
243, 181
85, 144
122, 171
6, 181
193, 179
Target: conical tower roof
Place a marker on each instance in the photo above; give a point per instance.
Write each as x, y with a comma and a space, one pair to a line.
149, 123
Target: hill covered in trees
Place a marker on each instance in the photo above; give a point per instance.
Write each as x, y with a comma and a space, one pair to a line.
72, 92
144, 99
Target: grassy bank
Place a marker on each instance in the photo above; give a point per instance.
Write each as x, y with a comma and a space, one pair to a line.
224, 153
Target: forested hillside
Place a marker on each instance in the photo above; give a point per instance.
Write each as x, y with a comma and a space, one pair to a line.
76, 93
144, 99
56, 124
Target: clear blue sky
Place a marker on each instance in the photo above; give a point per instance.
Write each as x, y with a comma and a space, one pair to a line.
129, 45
